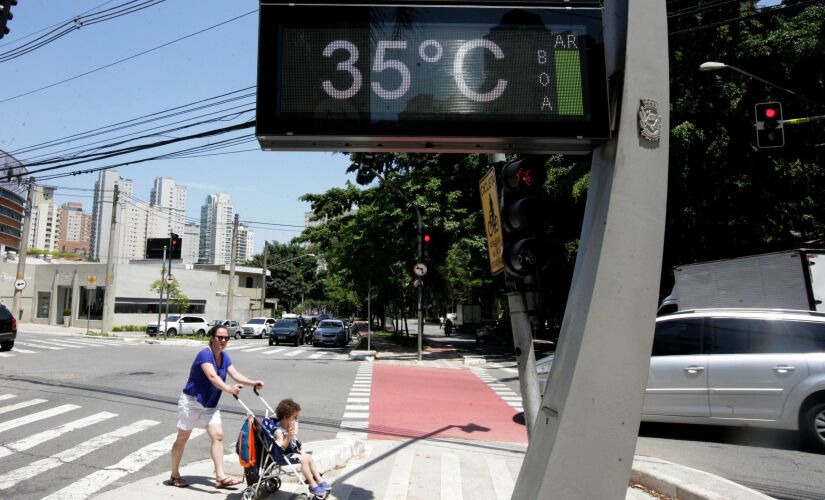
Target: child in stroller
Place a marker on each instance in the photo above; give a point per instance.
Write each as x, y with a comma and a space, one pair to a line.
285, 434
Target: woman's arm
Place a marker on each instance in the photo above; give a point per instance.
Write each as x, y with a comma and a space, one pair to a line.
212, 376
241, 378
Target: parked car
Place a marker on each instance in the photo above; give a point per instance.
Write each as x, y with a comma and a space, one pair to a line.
231, 325
348, 326
176, 324
330, 331
256, 327
287, 330
498, 332
737, 367
8, 329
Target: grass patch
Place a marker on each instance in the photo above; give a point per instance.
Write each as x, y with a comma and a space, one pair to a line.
397, 339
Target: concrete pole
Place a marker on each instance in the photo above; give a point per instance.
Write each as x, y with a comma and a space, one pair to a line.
21, 253
162, 286
263, 281
525, 358
230, 292
585, 434
111, 258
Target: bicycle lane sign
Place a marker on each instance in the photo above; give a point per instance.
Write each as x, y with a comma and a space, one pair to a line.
492, 220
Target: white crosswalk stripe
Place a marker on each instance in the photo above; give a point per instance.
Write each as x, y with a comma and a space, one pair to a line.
42, 437
400, 476
28, 419
56, 343
295, 352
128, 465
273, 351
6, 355
24, 351
69, 455
18, 406
47, 347
502, 480
450, 477
7, 396
253, 349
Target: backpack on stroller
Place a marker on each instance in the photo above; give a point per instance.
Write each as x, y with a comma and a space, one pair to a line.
263, 460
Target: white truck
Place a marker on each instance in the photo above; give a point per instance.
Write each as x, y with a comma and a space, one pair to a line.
794, 279
467, 314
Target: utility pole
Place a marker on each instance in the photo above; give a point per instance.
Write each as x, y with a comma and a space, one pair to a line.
162, 281
109, 293
230, 293
263, 282
21, 254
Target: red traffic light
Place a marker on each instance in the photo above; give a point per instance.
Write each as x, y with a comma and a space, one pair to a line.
525, 175
770, 113
427, 238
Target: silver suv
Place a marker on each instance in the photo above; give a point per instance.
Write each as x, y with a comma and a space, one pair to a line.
738, 367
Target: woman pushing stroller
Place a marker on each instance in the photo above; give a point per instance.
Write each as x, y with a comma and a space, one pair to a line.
286, 437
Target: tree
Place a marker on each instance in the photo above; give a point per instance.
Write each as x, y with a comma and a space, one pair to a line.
177, 299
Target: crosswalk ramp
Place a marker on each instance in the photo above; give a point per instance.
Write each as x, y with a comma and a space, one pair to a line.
26, 345
41, 441
455, 470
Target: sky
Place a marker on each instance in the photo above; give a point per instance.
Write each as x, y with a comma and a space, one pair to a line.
264, 186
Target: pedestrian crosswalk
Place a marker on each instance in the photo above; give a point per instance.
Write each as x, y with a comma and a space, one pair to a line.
27, 345
357, 410
39, 438
509, 396
289, 352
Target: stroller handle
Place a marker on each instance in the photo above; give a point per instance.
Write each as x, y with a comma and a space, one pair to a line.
248, 411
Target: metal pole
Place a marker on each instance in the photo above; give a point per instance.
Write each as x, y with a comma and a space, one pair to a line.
162, 282
165, 286
525, 358
109, 293
230, 293
88, 308
263, 281
21, 253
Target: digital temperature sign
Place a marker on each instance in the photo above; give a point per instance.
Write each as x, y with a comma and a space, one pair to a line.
431, 78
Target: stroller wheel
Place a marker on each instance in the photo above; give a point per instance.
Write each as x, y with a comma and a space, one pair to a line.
248, 494
273, 485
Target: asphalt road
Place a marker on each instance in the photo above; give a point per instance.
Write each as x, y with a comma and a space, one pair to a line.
119, 400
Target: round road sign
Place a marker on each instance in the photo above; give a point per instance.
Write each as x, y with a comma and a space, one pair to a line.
420, 269
19, 284
170, 279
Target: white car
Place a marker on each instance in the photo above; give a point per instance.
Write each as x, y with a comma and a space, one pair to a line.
256, 327
176, 324
737, 367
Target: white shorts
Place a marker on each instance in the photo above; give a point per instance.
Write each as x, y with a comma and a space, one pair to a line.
192, 414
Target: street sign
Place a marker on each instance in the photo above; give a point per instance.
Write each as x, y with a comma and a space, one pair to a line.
420, 269
430, 78
492, 220
170, 279
92, 281
418, 282
20, 284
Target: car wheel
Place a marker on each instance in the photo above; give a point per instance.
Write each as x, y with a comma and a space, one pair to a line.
296, 341
201, 333
812, 426
172, 331
270, 341
237, 336
6, 346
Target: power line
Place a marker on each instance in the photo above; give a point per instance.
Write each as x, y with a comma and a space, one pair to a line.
127, 58
765, 11
55, 24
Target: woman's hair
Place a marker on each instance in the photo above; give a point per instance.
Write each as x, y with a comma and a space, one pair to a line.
214, 330
286, 408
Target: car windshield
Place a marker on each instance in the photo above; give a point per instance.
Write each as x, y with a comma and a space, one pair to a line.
330, 324
256, 321
173, 318
286, 323
215, 322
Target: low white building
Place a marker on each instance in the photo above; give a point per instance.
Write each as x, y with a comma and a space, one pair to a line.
53, 286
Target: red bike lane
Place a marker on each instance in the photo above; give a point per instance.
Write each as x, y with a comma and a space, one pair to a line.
414, 402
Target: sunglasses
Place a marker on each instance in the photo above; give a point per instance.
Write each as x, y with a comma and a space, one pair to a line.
222, 338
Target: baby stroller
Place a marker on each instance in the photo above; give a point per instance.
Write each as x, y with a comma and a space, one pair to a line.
271, 462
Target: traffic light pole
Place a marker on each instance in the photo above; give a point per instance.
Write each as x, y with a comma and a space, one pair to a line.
21, 252
585, 434
109, 292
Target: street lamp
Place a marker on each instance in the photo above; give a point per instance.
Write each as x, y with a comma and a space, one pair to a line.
264, 269
714, 66
420, 287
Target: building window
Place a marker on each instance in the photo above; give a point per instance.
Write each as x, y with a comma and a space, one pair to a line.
138, 305
91, 303
43, 301
249, 282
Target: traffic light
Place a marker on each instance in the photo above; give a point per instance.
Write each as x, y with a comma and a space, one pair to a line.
174, 239
175, 244
770, 131
426, 239
5, 15
524, 215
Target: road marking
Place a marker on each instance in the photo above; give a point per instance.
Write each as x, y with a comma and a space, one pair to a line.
56, 342
84, 448
25, 351
356, 414
354, 424
17, 422
81, 343
6, 396
254, 349
358, 400
6, 355
357, 408
232, 348
350, 435
399, 482
24, 404
130, 464
318, 355
502, 480
294, 353
42, 437
273, 351
450, 476
27, 344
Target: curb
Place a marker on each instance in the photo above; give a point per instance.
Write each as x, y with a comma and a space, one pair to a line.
363, 355
474, 360
686, 483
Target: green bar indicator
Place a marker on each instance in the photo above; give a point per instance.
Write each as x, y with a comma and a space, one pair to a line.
569, 83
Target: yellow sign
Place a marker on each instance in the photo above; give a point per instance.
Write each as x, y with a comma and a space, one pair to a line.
492, 220
91, 280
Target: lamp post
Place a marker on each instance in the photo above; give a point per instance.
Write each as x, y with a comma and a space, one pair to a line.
420, 287
715, 66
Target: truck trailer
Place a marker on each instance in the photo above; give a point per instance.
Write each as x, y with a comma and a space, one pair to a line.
793, 279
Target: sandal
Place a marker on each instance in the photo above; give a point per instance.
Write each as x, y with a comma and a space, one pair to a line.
227, 483
177, 482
